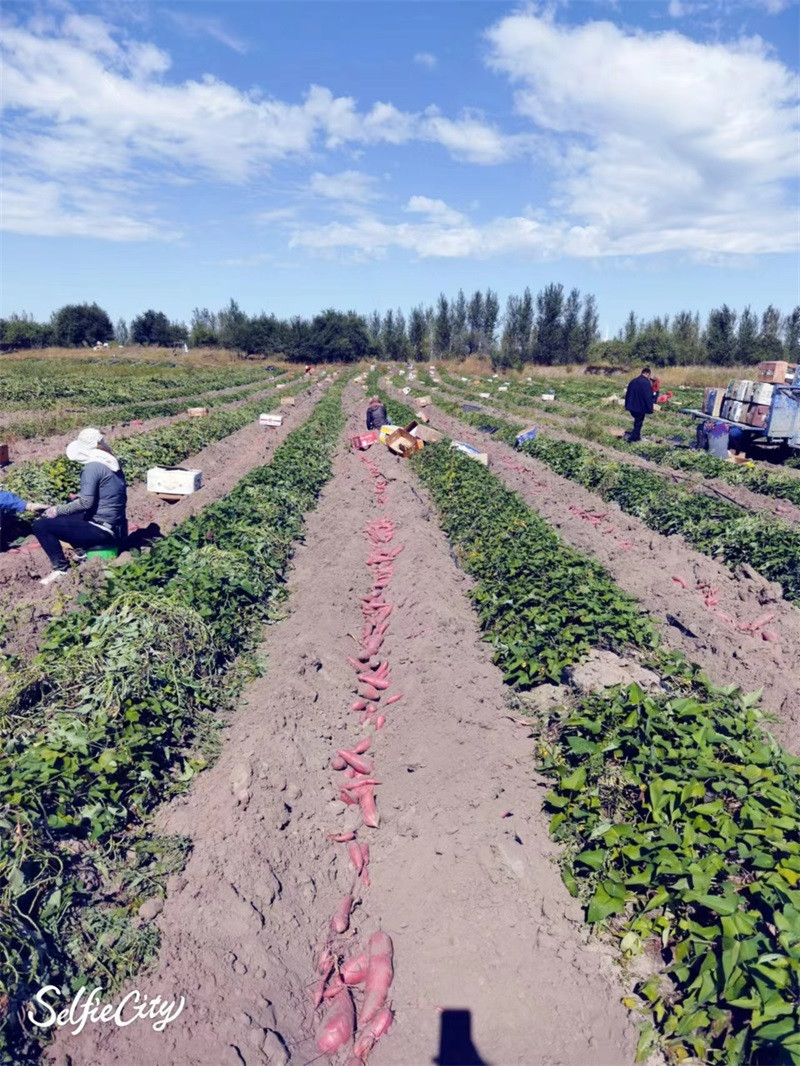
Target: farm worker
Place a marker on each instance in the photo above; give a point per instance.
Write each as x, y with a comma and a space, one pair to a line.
376, 414
96, 519
639, 402
10, 525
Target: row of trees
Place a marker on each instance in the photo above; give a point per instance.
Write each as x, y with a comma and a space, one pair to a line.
726, 339
82, 325
551, 328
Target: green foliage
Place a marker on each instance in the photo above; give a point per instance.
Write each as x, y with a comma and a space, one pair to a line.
537, 627
682, 829
81, 324
99, 728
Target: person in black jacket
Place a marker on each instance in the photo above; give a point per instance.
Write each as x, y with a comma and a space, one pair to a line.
639, 402
376, 414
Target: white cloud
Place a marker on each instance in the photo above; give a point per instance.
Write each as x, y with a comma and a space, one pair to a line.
351, 186
436, 210
665, 142
425, 59
53, 209
201, 25
81, 95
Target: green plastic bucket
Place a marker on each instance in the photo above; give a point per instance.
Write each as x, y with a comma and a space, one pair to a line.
102, 553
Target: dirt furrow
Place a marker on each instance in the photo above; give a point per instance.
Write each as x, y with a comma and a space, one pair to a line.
223, 463
486, 937
645, 564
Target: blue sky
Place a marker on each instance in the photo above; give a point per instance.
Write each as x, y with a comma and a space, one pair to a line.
368, 155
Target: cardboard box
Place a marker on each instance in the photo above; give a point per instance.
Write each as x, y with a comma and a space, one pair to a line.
758, 415
287, 401
548, 396
473, 453
402, 443
173, 480
386, 431
365, 440
426, 434
421, 416
738, 410
762, 393
196, 412
274, 420
424, 401
712, 401
777, 372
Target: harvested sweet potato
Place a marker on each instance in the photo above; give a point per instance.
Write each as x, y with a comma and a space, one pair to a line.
354, 970
368, 1037
341, 918
380, 972
337, 1029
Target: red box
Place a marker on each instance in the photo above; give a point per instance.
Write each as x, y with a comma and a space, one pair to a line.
366, 440
758, 414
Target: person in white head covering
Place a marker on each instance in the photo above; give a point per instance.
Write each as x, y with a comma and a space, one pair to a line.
96, 519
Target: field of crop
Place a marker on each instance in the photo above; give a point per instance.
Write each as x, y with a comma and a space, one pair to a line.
405, 759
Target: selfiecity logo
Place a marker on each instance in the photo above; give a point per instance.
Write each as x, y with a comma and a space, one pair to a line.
86, 1007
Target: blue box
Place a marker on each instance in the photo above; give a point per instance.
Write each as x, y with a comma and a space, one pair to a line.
527, 434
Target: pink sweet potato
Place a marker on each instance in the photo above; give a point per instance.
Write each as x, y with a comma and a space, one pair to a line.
369, 812
358, 705
337, 1029
341, 838
369, 1036
380, 972
338, 763
380, 721
354, 970
335, 986
341, 918
394, 699
770, 635
368, 692
361, 766
357, 859
362, 746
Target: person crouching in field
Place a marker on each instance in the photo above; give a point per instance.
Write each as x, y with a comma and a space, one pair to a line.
639, 400
376, 414
96, 519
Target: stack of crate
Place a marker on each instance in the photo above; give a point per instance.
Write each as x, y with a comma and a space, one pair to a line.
747, 402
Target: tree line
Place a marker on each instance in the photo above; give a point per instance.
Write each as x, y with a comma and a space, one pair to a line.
726, 339
554, 327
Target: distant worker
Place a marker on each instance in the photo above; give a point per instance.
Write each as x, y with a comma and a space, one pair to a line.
376, 414
308, 368
96, 519
639, 402
11, 528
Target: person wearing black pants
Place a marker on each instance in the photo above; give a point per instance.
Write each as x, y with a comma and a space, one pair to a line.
96, 519
639, 402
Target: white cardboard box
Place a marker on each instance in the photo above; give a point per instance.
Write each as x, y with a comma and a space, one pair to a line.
273, 420
173, 480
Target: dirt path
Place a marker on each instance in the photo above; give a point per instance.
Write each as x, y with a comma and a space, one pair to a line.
223, 463
51, 446
461, 866
644, 563
784, 510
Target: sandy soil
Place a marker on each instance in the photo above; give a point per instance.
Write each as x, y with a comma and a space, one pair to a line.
644, 564
461, 867
223, 463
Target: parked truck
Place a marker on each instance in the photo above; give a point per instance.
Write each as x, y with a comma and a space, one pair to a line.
765, 411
